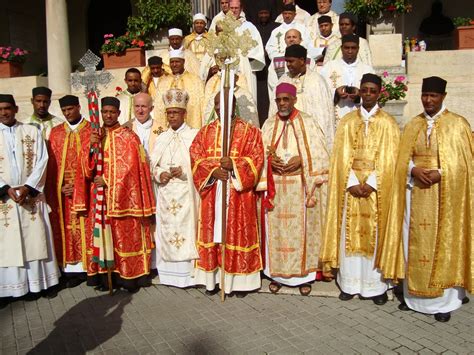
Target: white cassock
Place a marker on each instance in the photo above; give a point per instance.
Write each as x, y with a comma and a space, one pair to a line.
46, 126
219, 17
276, 45
126, 106
313, 25
339, 73
452, 297
334, 51
302, 16
356, 274
177, 208
314, 98
27, 259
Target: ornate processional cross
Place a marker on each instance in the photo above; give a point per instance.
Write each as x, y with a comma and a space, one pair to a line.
91, 79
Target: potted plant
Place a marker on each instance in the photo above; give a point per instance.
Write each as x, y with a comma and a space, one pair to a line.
464, 35
380, 14
124, 51
392, 94
154, 17
11, 61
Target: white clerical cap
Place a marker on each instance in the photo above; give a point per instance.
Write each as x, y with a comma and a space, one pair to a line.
175, 98
176, 53
199, 17
175, 32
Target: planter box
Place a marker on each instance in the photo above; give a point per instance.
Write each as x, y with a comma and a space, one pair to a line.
132, 57
10, 69
396, 108
464, 37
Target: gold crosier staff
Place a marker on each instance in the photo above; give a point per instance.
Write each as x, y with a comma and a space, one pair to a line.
227, 45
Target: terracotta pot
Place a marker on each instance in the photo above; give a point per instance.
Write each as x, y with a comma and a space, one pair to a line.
10, 69
464, 37
132, 57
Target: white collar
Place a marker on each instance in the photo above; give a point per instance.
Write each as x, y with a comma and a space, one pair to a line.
145, 125
73, 127
367, 115
7, 128
181, 128
432, 119
351, 65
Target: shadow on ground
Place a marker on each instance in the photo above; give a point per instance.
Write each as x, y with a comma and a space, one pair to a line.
86, 325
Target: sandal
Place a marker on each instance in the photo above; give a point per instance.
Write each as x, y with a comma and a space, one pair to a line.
305, 289
274, 287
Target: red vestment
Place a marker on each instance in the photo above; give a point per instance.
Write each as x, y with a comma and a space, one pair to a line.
242, 239
70, 215
129, 200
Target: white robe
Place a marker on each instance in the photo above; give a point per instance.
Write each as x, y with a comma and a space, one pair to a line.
313, 25
177, 208
126, 106
276, 45
334, 51
338, 73
356, 274
46, 126
452, 297
28, 262
302, 16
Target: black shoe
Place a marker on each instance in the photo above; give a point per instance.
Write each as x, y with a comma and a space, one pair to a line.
465, 300
4, 302
403, 307
73, 282
345, 296
101, 288
380, 300
32, 296
212, 292
133, 289
241, 294
443, 317
50, 293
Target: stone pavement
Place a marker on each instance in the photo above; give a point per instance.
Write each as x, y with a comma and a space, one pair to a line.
167, 320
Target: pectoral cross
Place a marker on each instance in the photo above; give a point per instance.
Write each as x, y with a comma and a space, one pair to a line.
5, 209
29, 154
424, 224
278, 36
177, 240
174, 207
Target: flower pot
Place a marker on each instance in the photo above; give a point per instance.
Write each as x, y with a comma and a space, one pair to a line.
396, 109
132, 57
10, 69
383, 25
464, 37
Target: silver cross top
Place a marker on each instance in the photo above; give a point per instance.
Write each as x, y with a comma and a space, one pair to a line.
91, 79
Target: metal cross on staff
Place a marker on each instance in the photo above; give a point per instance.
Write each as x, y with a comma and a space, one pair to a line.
90, 80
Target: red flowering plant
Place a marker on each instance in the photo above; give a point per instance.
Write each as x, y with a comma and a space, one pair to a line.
10, 54
373, 10
392, 90
116, 45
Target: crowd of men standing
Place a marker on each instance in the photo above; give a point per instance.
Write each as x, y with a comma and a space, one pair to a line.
327, 188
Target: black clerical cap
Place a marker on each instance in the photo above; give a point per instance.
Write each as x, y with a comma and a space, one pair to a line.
110, 101
8, 99
155, 60
289, 7
434, 84
349, 16
68, 100
371, 78
296, 51
324, 19
263, 5
41, 90
350, 38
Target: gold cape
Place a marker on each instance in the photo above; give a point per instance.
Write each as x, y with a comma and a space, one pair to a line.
453, 263
384, 128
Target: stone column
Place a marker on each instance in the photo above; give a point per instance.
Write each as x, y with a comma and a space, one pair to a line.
59, 56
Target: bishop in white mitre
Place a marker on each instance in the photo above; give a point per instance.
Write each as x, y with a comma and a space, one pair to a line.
27, 260
177, 199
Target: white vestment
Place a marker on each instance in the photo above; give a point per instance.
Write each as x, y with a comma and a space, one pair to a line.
126, 106
302, 16
313, 25
339, 73
356, 273
219, 17
27, 259
452, 297
314, 98
276, 45
334, 51
45, 126
177, 208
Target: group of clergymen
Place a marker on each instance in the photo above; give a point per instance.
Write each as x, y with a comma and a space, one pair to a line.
326, 188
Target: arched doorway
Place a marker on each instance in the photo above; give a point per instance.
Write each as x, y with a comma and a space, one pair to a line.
104, 17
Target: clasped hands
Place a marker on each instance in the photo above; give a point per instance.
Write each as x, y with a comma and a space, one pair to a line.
343, 94
361, 190
425, 177
18, 194
279, 166
175, 172
222, 173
